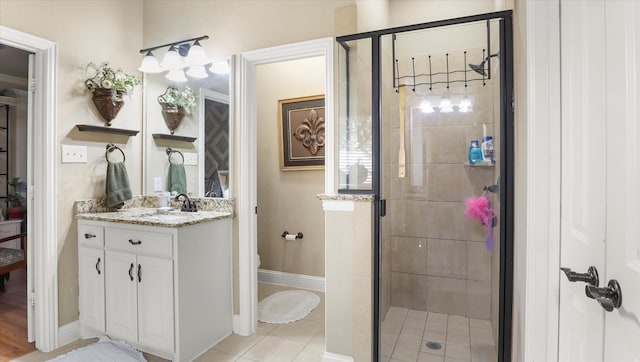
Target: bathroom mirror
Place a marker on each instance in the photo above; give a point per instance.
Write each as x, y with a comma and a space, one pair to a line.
203, 136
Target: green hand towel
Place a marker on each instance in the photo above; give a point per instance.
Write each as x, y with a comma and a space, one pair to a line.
118, 189
177, 178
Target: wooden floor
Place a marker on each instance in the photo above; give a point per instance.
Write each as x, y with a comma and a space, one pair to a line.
13, 317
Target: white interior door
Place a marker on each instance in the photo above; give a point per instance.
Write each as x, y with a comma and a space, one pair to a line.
583, 175
600, 51
622, 326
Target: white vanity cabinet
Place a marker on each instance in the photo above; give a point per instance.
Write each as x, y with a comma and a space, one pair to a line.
166, 290
91, 280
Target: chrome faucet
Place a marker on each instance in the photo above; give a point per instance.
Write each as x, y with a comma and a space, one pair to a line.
187, 204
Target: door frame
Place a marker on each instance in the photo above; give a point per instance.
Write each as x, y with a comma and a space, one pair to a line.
245, 322
41, 180
537, 182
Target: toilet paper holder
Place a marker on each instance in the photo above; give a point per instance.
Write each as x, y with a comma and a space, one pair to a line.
297, 236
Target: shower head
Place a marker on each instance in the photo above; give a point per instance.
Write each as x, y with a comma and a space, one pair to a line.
479, 68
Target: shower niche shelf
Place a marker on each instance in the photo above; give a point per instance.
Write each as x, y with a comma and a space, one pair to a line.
483, 164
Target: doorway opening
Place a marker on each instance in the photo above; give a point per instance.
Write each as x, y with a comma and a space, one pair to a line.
426, 125
41, 188
245, 322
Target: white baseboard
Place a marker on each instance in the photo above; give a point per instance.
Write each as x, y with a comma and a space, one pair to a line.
335, 357
292, 280
68, 333
238, 328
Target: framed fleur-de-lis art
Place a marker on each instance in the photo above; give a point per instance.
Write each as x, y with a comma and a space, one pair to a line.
302, 135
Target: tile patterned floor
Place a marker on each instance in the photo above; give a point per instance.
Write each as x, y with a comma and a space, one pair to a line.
406, 332
302, 340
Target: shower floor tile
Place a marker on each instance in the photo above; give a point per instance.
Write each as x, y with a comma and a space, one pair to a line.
459, 338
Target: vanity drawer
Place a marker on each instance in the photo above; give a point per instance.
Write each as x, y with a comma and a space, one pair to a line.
91, 235
139, 242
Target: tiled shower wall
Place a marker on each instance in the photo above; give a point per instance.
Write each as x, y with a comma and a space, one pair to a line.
434, 258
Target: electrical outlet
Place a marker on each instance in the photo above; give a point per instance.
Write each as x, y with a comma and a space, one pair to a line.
157, 184
74, 154
190, 158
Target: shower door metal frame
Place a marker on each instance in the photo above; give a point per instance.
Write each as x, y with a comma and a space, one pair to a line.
506, 193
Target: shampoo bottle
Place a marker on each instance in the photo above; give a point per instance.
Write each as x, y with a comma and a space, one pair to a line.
487, 149
475, 154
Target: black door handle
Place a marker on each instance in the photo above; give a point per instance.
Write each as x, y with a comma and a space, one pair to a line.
609, 297
98, 266
89, 236
590, 277
131, 272
139, 273
138, 242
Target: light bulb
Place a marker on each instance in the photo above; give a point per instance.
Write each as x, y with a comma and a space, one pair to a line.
465, 105
445, 105
176, 75
171, 59
197, 71
426, 107
220, 67
150, 64
196, 55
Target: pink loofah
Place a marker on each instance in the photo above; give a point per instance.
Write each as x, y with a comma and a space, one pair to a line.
479, 208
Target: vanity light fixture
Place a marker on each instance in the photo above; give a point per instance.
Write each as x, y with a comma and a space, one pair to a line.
445, 105
150, 64
426, 107
465, 105
180, 55
176, 75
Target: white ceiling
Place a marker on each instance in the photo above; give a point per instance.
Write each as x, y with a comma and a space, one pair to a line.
14, 62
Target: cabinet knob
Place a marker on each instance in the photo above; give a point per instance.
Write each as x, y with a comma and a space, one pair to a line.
89, 236
138, 242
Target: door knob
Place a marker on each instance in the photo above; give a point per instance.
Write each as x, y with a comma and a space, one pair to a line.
609, 297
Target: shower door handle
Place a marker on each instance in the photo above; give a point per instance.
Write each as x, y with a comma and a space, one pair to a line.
590, 277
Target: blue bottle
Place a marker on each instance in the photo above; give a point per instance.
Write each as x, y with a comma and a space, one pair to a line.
475, 153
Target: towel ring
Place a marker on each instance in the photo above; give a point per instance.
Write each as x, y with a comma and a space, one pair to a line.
110, 148
170, 151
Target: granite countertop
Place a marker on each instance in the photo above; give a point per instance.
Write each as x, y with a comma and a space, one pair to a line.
141, 210
152, 217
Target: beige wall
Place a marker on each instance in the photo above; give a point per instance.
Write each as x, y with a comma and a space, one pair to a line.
287, 199
349, 288
85, 31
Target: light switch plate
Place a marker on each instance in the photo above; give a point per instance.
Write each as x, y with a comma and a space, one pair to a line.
74, 154
190, 158
157, 184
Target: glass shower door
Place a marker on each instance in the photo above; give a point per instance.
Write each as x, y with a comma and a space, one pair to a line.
439, 271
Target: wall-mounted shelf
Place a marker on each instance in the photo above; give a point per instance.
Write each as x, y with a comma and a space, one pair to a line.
111, 130
161, 136
483, 164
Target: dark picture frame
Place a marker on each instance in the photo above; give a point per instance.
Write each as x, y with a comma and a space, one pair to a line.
302, 133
